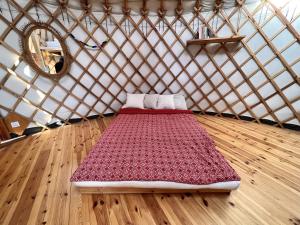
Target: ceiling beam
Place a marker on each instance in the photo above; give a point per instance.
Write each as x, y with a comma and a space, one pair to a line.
197, 7
179, 8
86, 5
126, 10
218, 5
144, 10
161, 10
106, 7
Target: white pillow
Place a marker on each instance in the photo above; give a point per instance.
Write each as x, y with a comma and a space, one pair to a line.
180, 102
134, 101
150, 101
165, 102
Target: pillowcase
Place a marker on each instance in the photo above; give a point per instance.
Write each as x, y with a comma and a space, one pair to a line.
180, 102
165, 102
134, 101
150, 101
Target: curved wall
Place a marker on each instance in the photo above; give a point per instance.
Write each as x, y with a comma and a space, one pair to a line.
257, 78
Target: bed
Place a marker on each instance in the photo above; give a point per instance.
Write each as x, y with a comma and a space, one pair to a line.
161, 151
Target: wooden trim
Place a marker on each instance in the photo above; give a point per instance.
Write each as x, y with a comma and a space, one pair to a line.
126, 190
4, 134
11, 141
27, 31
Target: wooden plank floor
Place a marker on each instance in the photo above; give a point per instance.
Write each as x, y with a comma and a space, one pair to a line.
35, 187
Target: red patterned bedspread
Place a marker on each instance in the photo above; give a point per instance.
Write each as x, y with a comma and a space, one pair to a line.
160, 145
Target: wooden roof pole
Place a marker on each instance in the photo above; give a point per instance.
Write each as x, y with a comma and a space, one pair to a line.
179, 8
63, 6
239, 4
144, 10
63, 3
106, 7
197, 7
161, 10
126, 10
86, 5
218, 5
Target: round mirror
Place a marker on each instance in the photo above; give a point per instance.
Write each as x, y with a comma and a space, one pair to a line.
45, 50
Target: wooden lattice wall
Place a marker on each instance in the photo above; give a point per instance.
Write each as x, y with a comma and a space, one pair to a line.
258, 78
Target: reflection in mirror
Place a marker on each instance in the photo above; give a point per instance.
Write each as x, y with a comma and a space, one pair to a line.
46, 51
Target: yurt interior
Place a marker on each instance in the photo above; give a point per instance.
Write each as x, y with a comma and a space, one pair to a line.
139, 112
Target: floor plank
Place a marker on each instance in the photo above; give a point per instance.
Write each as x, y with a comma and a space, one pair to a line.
35, 187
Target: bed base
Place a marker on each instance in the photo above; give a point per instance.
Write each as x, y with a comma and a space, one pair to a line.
126, 190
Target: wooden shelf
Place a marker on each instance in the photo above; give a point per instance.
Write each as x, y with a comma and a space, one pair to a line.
215, 40
51, 49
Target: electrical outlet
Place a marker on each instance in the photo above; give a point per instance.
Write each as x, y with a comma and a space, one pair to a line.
15, 124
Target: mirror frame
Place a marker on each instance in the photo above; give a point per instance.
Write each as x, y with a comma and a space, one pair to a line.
28, 29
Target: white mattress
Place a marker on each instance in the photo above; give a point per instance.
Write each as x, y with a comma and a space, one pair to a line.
228, 185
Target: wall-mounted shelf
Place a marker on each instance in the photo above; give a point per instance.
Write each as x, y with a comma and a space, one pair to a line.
215, 40
51, 49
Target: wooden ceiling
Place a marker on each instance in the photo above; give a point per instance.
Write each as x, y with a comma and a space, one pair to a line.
162, 36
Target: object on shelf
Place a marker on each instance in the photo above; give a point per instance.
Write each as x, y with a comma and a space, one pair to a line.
215, 40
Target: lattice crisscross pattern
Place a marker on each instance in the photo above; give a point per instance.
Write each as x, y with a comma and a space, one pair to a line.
257, 78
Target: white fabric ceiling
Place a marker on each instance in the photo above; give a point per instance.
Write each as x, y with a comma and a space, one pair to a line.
153, 5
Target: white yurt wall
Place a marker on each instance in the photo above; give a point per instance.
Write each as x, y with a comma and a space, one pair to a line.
257, 78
